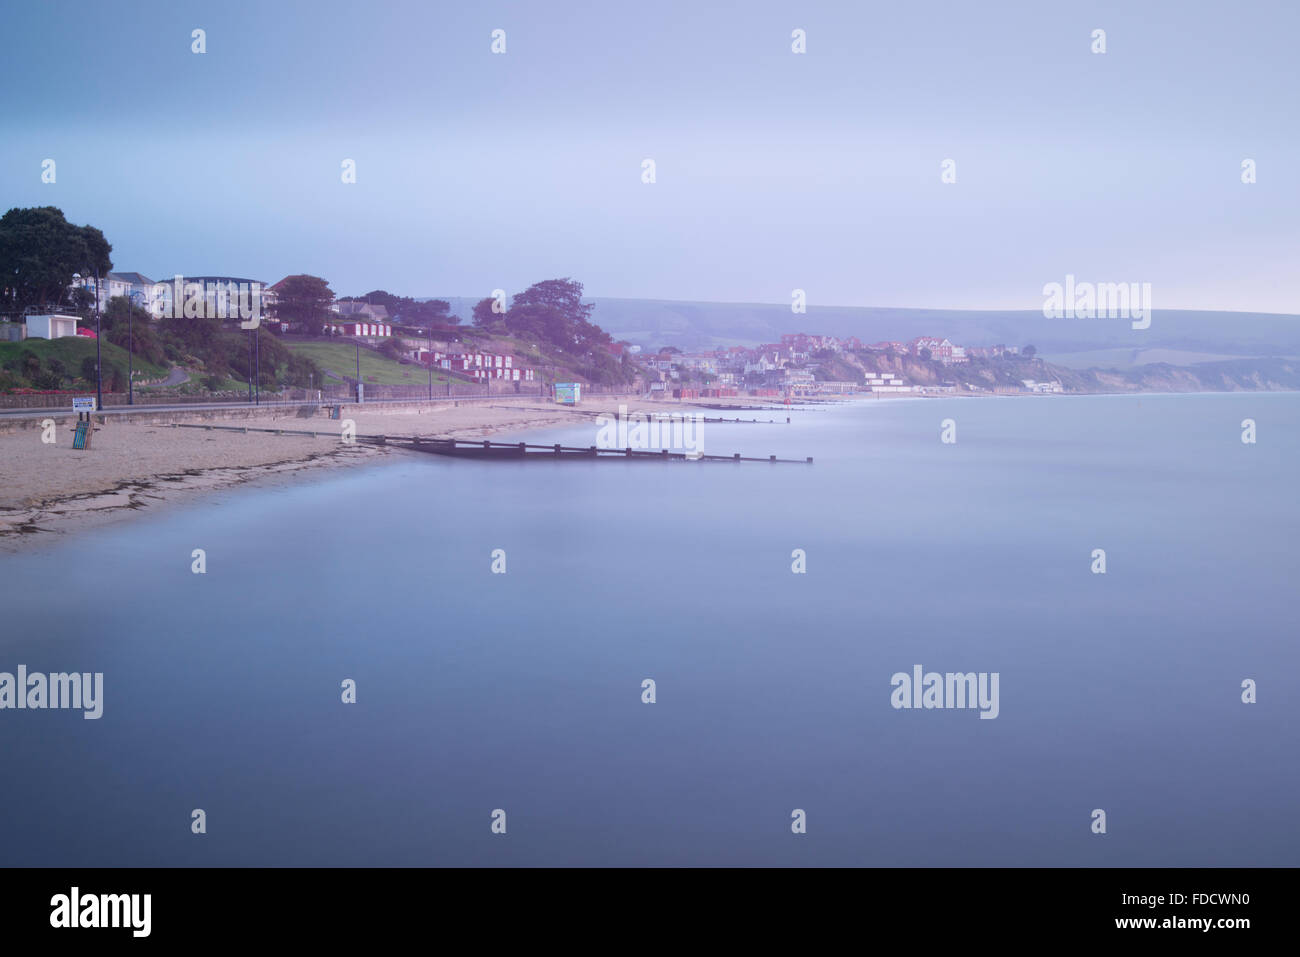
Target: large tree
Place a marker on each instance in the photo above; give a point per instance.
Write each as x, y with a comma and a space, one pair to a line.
39, 253
554, 311
304, 299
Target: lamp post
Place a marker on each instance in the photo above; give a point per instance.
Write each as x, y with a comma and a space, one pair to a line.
99, 352
257, 389
130, 353
431, 361
250, 366
357, 340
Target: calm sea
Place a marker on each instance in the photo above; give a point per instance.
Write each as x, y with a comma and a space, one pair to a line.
523, 691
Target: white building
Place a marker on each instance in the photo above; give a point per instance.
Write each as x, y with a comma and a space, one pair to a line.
51, 327
221, 296
140, 289
885, 382
1042, 387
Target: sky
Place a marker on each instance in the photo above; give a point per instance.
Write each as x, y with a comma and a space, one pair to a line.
774, 171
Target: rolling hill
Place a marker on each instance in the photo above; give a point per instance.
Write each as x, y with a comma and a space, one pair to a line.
1179, 337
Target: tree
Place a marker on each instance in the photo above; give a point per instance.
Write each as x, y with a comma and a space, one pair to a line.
1029, 352
431, 313
484, 318
553, 311
562, 295
129, 326
531, 321
378, 297
925, 354
555, 305
415, 312
304, 299
98, 258
39, 253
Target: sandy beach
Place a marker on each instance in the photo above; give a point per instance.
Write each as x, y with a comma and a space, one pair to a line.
48, 491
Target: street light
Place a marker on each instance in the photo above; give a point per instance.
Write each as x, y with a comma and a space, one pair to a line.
130, 352
99, 353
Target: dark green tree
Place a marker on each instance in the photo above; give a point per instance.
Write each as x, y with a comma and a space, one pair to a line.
39, 253
137, 334
304, 299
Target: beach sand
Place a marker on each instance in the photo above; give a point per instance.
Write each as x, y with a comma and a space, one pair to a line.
48, 491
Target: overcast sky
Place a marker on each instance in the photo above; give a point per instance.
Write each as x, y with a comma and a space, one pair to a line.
775, 171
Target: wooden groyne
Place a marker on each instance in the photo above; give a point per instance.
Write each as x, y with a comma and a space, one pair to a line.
486, 449
467, 448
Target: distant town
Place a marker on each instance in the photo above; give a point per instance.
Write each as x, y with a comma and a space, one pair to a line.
423, 333
805, 364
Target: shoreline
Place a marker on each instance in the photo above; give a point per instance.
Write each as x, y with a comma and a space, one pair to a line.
50, 492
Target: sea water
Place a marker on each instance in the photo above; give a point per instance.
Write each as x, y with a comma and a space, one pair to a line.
524, 691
